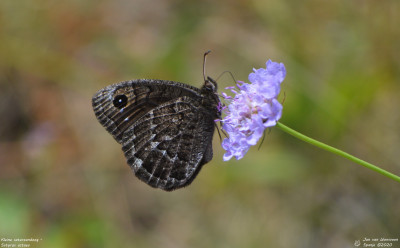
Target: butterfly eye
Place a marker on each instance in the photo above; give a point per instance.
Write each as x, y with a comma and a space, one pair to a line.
120, 101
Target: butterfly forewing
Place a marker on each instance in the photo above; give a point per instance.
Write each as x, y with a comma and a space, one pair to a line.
165, 128
141, 97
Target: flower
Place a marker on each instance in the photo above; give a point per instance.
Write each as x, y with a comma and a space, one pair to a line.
253, 109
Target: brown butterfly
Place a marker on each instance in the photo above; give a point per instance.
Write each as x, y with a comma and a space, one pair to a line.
165, 127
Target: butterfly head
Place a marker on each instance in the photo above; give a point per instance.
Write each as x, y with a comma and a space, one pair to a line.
211, 98
210, 85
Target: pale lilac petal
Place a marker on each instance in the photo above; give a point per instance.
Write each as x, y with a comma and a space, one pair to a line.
253, 108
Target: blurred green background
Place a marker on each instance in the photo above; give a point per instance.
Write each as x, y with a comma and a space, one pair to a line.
64, 179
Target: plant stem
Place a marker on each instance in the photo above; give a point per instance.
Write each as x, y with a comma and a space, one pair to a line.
337, 151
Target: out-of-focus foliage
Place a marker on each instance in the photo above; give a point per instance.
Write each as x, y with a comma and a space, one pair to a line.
64, 179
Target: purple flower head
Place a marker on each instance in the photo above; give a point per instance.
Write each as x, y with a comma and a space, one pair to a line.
253, 108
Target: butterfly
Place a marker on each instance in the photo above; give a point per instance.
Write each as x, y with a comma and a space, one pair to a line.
165, 127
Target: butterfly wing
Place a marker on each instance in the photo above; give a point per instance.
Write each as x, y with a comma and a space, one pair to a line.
166, 147
165, 130
141, 96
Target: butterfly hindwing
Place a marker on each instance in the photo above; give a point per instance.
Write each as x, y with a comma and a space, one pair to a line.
166, 147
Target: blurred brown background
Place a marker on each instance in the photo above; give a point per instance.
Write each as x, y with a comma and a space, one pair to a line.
64, 179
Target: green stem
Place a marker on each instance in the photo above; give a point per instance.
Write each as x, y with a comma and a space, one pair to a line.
337, 151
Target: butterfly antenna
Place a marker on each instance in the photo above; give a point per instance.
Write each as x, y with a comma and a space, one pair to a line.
230, 73
204, 64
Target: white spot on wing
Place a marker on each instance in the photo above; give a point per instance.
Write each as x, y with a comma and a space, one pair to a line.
154, 144
138, 164
150, 177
